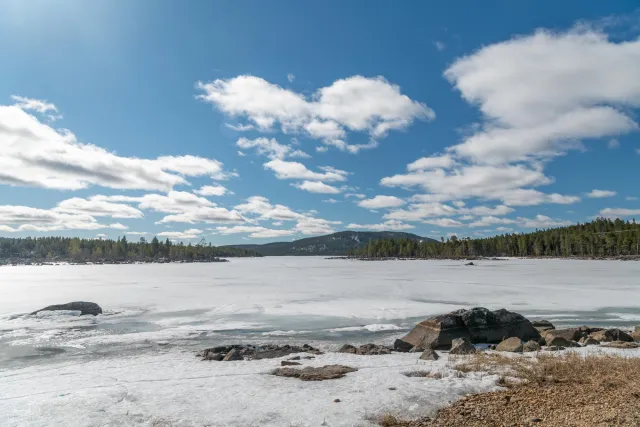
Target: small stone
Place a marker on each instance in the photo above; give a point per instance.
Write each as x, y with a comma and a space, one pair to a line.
295, 358
336, 400
513, 345
214, 356
534, 420
233, 355
531, 346
348, 348
429, 354
392, 388
462, 346
469, 263
287, 363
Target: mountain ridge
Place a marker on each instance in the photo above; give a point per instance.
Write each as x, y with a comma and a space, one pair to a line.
330, 244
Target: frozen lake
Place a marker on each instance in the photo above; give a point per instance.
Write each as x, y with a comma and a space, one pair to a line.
157, 315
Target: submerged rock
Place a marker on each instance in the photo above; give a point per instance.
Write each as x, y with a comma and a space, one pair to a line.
478, 325
365, 349
83, 307
328, 372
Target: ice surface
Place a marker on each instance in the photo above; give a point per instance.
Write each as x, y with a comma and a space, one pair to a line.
135, 363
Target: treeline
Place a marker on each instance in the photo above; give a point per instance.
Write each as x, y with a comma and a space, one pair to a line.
74, 249
600, 238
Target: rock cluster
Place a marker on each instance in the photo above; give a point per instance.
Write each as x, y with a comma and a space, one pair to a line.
250, 352
365, 349
477, 325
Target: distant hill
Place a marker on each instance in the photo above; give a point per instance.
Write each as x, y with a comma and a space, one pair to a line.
331, 244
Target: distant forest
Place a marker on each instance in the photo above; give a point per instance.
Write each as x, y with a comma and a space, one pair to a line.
74, 249
599, 238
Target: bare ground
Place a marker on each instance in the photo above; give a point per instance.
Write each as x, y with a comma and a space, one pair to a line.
567, 390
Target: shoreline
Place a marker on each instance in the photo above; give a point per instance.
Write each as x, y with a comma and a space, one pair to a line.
480, 258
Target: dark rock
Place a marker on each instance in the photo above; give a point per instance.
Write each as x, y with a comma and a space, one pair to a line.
309, 357
328, 372
557, 341
402, 346
531, 346
233, 355
542, 325
213, 356
416, 349
478, 325
513, 345
620, 344
82, 306
589, 341
469, 263
555, 348
287, 363
372, 349
429, 354
572, 334
348, 348
252, 352
295, 358
462, 346
611, 335
336, 400
392, 388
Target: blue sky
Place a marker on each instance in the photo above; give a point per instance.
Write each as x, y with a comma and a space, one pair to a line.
260, 121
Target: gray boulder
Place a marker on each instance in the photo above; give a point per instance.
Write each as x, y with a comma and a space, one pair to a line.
588, 341
82, 306
478, 325
402, 346
513, 345
620, 344
558, 341
462, 346
328, 372
348, 348
417, 349
233, 355
429, 354
609, 335
372, 349
542, 325
531, 346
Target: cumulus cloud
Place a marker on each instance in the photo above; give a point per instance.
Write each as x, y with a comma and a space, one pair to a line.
24, 218
317, 187
391, 225
255, 232
77, 205
314, 226
261, 207
487, 221
37, 105
618, 212
598, 194
357, 103
380, 201
192, 233
296, 170
591, 80
330, 201
355, 195
37, 155
270, 148
444, 222
542, 221
212, 190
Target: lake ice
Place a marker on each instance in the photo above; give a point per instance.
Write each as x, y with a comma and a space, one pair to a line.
135, 364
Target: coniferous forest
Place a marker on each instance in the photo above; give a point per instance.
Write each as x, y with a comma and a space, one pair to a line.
48, 249
599, 238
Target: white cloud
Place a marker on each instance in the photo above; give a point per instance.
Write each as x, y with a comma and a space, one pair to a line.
598, 194
136, 233
487, 221
613, 144
504, 229
101, 236
330, 201
37, 105
204, 214
254, 231
357, 103
24, 218
192, 233
530, 197
618, 212
90, 207
355, 195
265, 234
542, 93
34, 154
173, 202
439, 45
379, 202
317, 187
486, 210
258, 205
466, 217
240, 153
291, 77
542, 221
314, 226
630, 198
296, 170
435, 162
391, 225
270, 148
240, 127
418, 211
212, 190
444, 222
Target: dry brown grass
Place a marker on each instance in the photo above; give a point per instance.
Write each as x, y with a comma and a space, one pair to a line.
554, 390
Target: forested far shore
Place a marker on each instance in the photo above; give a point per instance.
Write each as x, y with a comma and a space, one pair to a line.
601, 238
74, 249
